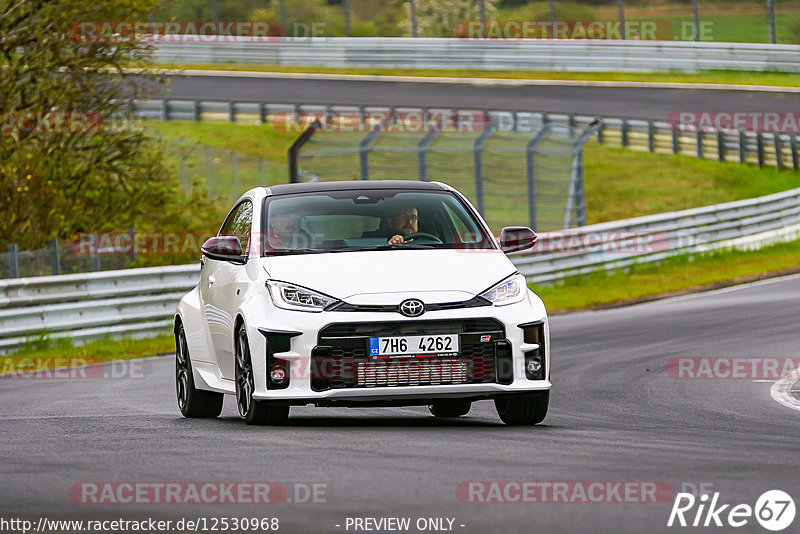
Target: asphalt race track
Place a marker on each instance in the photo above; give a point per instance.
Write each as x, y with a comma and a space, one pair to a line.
646, 103
615, 416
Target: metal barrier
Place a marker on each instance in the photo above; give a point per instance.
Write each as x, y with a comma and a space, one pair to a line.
142, 301
490, 54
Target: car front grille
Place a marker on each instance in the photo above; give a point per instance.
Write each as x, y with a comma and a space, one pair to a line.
341, 359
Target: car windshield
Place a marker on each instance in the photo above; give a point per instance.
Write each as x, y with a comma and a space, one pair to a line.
345, 221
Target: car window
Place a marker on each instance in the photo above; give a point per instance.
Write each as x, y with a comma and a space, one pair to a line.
238, 224
365, 220
465, 229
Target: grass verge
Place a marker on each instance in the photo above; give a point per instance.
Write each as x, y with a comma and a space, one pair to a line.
673, 276
44, 354
723, 77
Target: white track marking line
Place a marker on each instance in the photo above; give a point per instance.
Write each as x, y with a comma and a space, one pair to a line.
679, 298
479, 81
781, 391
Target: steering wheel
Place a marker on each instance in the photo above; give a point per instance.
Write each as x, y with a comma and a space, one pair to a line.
423, 235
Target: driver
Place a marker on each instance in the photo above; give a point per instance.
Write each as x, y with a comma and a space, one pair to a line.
404, 222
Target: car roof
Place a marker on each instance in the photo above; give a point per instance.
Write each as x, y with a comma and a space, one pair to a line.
351, 185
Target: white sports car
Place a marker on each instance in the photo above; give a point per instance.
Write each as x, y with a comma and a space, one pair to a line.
385, 293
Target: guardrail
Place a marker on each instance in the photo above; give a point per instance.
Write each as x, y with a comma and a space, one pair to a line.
90, 305
489, 54
142, 301
762, 149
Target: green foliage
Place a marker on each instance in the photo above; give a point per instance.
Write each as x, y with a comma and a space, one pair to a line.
96, 173
441, 18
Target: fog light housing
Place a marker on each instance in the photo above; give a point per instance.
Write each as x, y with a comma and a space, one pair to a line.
533, 366
278, 374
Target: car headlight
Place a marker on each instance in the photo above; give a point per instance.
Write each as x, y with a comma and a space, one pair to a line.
510, 291
294, 297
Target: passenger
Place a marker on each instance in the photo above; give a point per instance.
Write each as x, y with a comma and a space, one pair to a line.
287, 232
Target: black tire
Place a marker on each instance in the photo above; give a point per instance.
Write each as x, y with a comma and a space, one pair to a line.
192, 402
254, 412
450, 408
523, 409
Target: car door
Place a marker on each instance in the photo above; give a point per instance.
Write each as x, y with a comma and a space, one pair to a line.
228, 287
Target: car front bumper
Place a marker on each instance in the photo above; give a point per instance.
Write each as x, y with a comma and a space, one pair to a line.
295, 337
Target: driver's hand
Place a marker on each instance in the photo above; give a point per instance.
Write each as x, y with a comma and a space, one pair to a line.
396, 240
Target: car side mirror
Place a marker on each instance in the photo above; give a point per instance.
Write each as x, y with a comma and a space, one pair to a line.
517, 238
224, 248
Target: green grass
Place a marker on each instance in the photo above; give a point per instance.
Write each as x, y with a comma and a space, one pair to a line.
622, 183
48, 353
775, 79
254, 140
676, 275
732, 20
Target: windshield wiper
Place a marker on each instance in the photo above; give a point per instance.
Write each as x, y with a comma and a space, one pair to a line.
290, 251
381, 247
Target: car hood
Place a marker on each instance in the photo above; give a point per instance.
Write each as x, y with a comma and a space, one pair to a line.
447, 275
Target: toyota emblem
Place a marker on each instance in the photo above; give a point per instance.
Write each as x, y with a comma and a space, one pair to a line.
412, 308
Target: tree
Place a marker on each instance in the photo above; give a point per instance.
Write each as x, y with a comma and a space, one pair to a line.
441, 18
64, 168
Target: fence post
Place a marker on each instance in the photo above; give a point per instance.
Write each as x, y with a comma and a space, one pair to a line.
263, 112
676, 142
165, 110
742, 147
700, 143
413, 6
294, 150
94, 258
55, 259
624, 132
572, 197
760, 146
363, 146
13, 260
771, 20
422, 150
793, 144
776, 138
198, 116
132, 254
477, 148
347, 28
651, 136
721, 146
231, 112
600, 133
577, 198
531, 162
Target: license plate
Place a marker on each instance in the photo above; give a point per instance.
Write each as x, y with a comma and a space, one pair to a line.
413, 346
